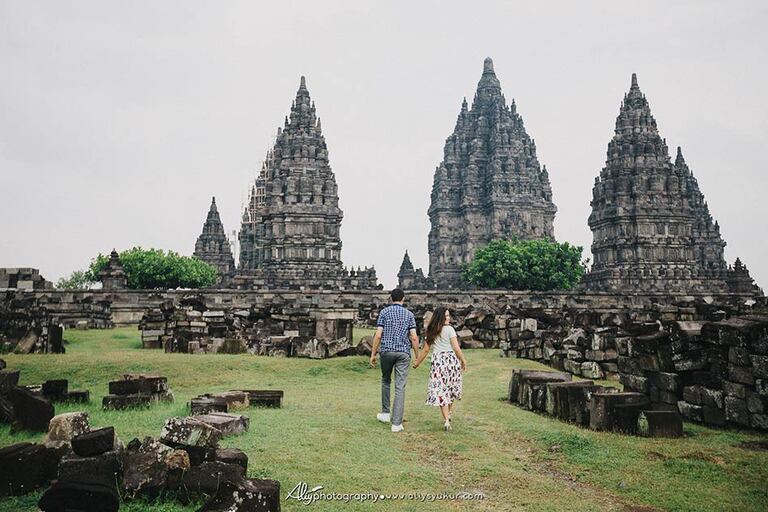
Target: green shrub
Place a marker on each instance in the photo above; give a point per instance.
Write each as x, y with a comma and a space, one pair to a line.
526, 265
153, 268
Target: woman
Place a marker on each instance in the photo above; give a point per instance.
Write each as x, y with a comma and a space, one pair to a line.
447, 363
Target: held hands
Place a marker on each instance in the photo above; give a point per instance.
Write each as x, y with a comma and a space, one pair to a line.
416, 364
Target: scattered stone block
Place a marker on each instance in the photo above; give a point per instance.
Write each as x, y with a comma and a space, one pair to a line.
31, 412
519, 376
139, 383
95, 442
145, 474
227, 424
232, 456
235, 399
208, 478
189, 432
55, 390
64, 427
26, 466
265, 397
90, 491
208, 404
664, 423
602, 407
626, 416
568, 401
9, 379
250, 495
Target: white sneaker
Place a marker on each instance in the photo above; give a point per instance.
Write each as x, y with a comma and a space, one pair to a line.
397, 428
383, 417
447, 425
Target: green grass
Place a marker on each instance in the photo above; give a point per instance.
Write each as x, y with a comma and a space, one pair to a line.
326, 434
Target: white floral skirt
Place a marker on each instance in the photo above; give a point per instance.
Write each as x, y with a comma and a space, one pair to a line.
444, 379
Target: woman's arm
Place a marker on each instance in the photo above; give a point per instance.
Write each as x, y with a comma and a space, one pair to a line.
422, 354
457, 349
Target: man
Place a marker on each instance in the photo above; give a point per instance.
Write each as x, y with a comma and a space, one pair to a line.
395, 326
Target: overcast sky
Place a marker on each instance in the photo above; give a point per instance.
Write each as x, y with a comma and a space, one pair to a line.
120, 120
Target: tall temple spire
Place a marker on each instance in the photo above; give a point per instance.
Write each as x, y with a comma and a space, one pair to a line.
212, 245
489, 184
292, 232
651, 227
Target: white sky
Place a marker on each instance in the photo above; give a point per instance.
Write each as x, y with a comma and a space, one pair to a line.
120, 120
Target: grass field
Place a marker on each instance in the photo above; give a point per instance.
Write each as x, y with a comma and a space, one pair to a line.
326, 434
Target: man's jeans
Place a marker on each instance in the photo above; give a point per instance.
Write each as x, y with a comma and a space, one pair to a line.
401, 363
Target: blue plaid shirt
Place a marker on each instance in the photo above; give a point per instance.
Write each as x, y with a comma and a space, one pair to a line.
397, 323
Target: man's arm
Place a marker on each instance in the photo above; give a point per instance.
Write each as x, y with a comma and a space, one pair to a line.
415, 342
375, 345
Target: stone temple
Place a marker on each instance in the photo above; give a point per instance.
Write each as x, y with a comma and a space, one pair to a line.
651, 225
213, 247
489, 185
289, 236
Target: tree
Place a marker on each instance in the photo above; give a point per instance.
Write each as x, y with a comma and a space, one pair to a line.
77, 280
526, 265
153, 268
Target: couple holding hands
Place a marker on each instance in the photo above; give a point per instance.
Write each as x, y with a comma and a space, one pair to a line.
395, 337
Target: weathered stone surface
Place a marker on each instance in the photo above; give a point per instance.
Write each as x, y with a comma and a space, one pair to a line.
138, 383
235, 399
207, 404
227, 424
591, 370
208, 477
31, 412
64, 427
736, 411
189, 432
634, 383
690, 411
232, 456
8, 379
664, 423
759, 366
83, 491
516, 391
145, 474
95, 442
26, 466
265, 397
56, 390
602, 405
250, 495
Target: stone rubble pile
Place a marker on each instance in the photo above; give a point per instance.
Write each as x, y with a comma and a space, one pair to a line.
191, 327
33, 323
89, 469
586, 404
708, 365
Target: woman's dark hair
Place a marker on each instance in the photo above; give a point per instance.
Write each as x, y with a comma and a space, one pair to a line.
436, 324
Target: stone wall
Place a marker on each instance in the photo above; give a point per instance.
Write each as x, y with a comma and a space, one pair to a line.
26, 318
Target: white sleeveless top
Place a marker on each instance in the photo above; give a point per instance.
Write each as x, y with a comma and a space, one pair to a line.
443, 341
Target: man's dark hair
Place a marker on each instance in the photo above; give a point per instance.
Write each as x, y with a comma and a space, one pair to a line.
397, 295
